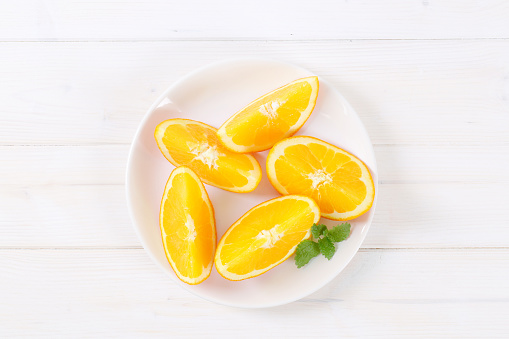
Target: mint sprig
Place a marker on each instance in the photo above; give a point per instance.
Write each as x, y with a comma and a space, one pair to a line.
326, 247
317, 230
308, 249
339, 233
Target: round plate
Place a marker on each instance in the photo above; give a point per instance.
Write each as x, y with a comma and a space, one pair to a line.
211, 95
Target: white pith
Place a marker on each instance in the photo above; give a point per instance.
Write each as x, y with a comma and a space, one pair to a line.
319, 178
191, 235
270, 108
270, 236
206, 154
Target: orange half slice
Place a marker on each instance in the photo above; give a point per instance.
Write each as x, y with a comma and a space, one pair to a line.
265, 236
270, 118
195, 145
188, 227
338, 181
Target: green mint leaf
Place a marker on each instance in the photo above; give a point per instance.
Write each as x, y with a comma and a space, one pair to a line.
306, 250
339, 233
317, 230
327, 248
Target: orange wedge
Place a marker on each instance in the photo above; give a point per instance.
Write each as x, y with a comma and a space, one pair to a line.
195, 145
270, 118
187, 226
265, 236
338, 181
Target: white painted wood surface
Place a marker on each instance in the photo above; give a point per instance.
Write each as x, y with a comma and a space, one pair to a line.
429, 79
265, 19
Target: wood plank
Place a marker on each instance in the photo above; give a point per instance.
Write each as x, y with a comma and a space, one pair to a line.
406, 92
67, 164
106, 164
227, 19
440, 215
65, 217
447, 163
119, 293
427, 215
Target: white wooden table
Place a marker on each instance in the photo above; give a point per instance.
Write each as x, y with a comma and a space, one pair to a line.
430, 80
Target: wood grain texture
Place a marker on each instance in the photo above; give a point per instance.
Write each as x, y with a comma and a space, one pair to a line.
406, 92
106, 164
437, 215
120, 293
263, 19
65, 217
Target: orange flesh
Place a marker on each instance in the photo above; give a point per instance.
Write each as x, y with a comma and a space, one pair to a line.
188, 233
266, 235
198, 148
291, 102
331, 178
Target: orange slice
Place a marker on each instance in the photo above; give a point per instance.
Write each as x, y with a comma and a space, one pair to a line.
195, 145
338, 181
265, 236
270, 118
187, 226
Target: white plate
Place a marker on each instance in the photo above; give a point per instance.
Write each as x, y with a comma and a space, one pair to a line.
211, 95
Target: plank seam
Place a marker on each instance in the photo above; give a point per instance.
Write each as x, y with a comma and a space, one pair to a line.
362, 249
251, 40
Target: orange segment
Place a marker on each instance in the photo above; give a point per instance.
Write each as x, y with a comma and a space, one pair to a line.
265, 236
195, 145
187, 226
339, 182
270, 118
